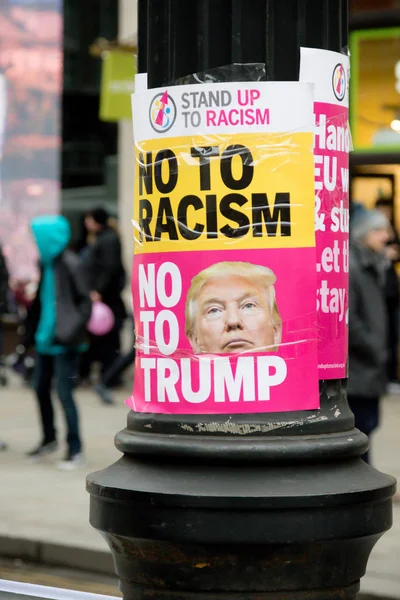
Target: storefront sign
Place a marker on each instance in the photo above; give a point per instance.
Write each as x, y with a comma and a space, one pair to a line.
224, 274
330, 71
117, 85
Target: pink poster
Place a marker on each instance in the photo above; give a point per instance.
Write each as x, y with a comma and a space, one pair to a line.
330, 71
224, 275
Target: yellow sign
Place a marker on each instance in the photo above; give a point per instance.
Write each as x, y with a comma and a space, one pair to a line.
245, 191
375, 89
117, 85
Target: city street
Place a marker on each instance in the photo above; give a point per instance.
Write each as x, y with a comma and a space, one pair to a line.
44, 512
201, 198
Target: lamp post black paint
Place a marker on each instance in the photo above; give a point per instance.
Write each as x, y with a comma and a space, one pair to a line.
241, 507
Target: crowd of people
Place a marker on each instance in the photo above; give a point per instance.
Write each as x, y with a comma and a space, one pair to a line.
55, 319
56, 322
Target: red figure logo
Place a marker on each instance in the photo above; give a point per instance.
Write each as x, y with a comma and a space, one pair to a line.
339, 82
162, 112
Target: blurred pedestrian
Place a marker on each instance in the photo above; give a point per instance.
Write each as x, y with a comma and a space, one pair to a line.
84, 241
56, 324
392, 253
367, 319
356, 209
3, 308
3, 295
103, 388
23, 293
107, 280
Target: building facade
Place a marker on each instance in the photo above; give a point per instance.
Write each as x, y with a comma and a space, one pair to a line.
375, 103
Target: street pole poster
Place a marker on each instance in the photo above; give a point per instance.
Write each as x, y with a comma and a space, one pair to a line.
224, 273
330, 71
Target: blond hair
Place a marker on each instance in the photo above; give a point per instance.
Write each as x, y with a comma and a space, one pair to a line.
265, 276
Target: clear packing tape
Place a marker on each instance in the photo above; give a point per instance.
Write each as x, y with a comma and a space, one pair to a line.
215, 196
224, 273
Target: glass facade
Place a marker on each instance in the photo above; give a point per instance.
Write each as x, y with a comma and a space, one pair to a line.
89, 146
87, 141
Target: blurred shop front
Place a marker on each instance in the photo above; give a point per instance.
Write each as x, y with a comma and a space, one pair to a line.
89, 155
97, 151
56, 153
375, 103
30, 90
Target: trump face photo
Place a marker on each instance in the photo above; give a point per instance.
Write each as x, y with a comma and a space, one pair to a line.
231, 308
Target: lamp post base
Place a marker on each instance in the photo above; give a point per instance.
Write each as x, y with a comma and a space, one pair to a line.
238, 531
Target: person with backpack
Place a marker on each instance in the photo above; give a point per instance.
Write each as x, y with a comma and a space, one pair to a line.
107, 280
56, 325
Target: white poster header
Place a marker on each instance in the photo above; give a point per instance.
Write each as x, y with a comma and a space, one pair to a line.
225, 108
331, 73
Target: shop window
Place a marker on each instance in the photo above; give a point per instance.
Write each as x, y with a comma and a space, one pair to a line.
375, 89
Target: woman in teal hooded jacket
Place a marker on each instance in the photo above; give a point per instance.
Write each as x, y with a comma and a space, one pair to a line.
56, 325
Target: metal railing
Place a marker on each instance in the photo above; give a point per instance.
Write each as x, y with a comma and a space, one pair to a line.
13, 590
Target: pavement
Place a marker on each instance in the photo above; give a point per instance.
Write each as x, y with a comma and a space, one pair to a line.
44, 512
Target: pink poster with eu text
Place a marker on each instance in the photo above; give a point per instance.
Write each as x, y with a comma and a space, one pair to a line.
330, 71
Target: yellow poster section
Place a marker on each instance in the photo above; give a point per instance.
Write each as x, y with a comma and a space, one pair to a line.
282, 169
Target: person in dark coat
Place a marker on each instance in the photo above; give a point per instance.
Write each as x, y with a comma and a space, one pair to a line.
368, 353
392, 252
103, 388
107, 280
56, 326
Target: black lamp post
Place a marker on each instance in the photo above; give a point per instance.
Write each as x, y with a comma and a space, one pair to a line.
254, 507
